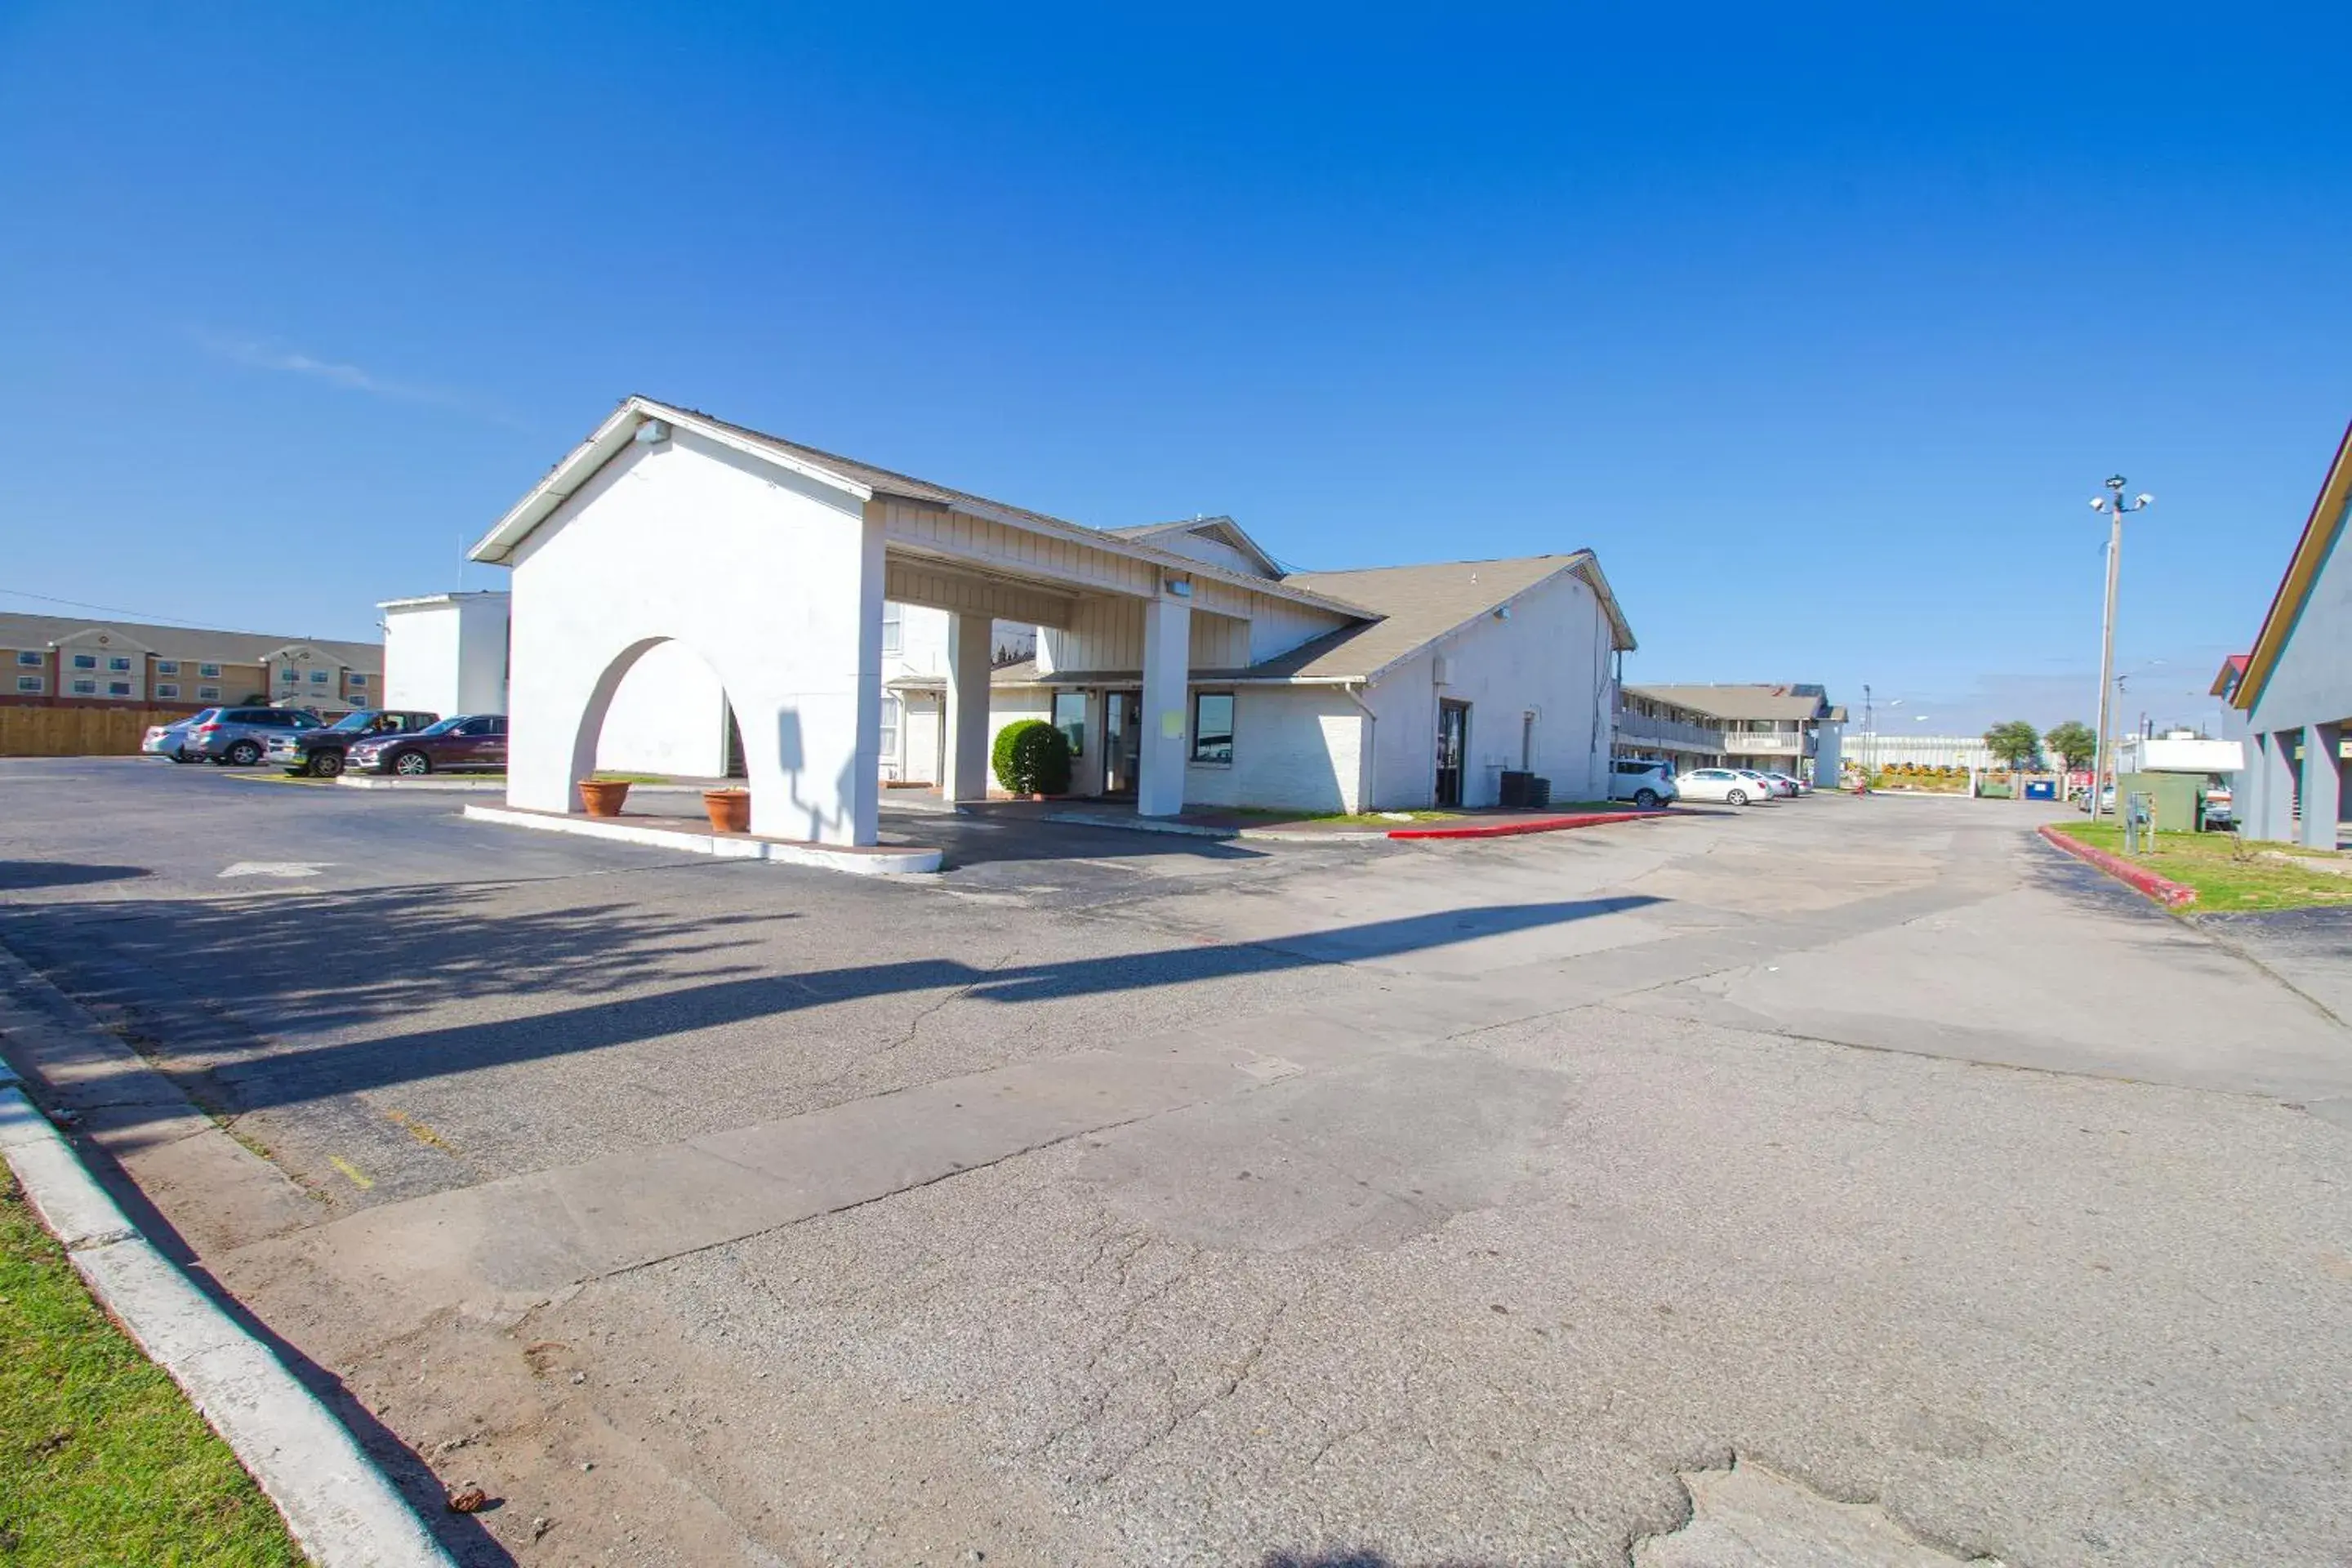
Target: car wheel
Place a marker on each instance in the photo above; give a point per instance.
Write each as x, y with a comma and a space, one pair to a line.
1647, 799
245, 754
326, 764
412, 764
1737, 797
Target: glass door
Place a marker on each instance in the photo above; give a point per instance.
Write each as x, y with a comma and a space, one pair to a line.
1453, 745
1122, 741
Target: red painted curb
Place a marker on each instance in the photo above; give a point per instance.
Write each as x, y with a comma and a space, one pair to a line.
1538, 825
2164, 890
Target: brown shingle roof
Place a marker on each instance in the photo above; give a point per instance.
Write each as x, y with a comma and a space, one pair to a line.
1751, 701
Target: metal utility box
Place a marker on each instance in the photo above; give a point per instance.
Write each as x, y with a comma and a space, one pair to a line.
2041, 789
2177, 800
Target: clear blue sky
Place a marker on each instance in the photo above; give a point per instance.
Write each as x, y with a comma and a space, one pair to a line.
1819, 324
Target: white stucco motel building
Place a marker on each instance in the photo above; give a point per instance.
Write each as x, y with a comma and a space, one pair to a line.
711, 589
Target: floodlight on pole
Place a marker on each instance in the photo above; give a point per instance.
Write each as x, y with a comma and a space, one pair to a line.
2115, 507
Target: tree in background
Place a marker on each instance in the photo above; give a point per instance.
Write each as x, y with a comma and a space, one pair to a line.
2016, 742
2072, 744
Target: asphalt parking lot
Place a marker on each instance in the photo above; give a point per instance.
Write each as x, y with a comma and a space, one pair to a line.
1117, 1197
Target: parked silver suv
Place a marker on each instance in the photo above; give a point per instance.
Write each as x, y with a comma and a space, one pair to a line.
239, 736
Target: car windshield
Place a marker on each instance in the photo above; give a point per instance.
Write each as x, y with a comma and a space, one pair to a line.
352, 723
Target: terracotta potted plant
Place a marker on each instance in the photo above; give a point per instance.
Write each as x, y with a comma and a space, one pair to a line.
602, 797
730, 810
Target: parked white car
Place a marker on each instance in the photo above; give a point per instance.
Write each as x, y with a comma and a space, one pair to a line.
1768, 783
1725, 784
1795, 786
1645, 782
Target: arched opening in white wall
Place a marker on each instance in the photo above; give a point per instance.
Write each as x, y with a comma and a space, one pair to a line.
663, 709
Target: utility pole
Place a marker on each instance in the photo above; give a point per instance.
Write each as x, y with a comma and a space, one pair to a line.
2115, 506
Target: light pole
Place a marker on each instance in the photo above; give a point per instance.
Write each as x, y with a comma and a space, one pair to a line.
2115, 506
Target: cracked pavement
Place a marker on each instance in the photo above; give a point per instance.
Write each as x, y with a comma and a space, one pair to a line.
1115, 1198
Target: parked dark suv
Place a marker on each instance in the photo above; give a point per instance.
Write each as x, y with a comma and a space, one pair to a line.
321, 752
474, 742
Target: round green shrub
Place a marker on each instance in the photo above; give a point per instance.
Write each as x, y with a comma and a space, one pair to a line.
1032, 757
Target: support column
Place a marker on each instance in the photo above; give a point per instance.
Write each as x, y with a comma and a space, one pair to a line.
1167, 668
2272, 818
966, 711
2323, 785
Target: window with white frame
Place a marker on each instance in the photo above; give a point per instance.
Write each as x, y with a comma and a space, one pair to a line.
893, 629
893, 707
1070, 718
207, 693
167, 667
118, 689
85, 687
33, 657
167, 688
119, 663
30, 683
318, 677
209, 671
1212, 727
357, 680
85, 661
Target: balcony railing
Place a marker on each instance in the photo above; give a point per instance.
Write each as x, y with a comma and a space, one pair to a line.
1644, 730
1767, 743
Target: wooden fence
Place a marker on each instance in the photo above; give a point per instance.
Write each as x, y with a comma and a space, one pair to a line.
30, 731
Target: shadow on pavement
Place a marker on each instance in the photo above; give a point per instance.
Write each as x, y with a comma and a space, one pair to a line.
18, 875
215, 987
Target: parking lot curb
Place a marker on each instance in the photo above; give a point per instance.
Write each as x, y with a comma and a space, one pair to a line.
2139, 879
341, 1507
886, 861
1538, 825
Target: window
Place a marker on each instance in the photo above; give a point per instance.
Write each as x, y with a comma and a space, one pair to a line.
167, 688
357, 679
85, 661
118, 663
318, 677
29, 656
118, 689
207, 693
85, 687
892, 707
892, 631
29, 683
1070, 718
209, 671
167, 667
1212, 727
475, 727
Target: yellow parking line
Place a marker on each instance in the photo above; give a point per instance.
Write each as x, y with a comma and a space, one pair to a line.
418, 1131
348, 1169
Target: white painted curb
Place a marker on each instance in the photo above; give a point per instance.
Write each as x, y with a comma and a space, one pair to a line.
340, 1507
876, 862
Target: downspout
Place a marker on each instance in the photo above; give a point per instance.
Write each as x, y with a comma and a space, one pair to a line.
1364, 772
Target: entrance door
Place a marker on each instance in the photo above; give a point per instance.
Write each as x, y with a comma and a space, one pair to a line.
1122, 741
1453, 746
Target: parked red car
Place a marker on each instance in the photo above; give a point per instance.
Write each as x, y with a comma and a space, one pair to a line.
464, 743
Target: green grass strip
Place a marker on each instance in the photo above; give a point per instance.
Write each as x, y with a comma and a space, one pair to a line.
102, 1460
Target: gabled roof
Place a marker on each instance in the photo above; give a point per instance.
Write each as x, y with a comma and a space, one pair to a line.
2321, 531
1420, 606
1759, 700
1224, 529
863, 481
2232, 670
194, 644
